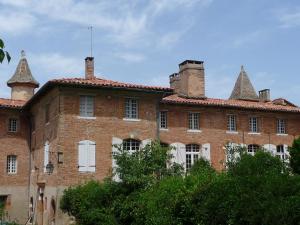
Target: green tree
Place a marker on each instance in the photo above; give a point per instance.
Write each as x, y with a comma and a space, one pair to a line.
295, 156
3, 54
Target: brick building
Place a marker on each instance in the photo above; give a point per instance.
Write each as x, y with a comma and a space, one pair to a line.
63, 134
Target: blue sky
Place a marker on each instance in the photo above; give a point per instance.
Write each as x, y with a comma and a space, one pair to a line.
144, 41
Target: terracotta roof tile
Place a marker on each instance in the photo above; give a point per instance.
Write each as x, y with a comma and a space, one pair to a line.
98, 82
263, 106
9, 103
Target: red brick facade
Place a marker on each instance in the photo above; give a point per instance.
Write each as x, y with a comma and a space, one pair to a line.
51, 121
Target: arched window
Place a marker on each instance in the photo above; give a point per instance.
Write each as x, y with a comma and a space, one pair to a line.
252, 149
86, 156
280, 152
46, 155
131, 145
192, 155
11, 166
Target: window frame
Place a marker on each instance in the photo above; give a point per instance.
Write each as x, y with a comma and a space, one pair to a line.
231, 123
193, 152
11, 164
88, 148
254, 149
193, 121
253, 125
281, 126
163, 121
131, 145
10, 130
84, 110
131, 112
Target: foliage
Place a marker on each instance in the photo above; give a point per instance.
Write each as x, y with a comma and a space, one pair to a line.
295, 156
254, 190
3, 54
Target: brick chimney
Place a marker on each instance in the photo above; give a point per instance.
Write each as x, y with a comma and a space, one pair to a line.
264, 95
190, 81
89, 68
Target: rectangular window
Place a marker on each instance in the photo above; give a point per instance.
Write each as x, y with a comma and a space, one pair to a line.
131, 108
47, 115
253, 124
11, 166
86, 106
194, 121
231, 123
87, 156
163, 120
13, 125
281, 126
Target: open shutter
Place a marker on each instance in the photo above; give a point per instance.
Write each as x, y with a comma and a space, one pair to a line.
178, 153
46, 155
91, 156
286, 153
116, 142
271, 149
145, 142
82, 156
205, 153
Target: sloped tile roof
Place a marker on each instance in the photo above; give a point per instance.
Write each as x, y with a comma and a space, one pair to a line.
98, 82
243, 88
22, 73
9, 103
231, 103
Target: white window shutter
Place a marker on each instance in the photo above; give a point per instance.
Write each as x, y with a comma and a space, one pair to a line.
91, 156
116, 142
178, 153
205, 153
145, 142
286, 152
82, 156
46, 155
270, 148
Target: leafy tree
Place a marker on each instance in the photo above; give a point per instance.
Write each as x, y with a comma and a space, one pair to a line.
295, 156
3, 54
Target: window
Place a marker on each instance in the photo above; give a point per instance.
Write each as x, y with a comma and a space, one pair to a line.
46, 155
252, 149
194, 121
281, 126
231, 123
13, 125
86, 106
86, 156
131, 145
131, 108
280, 152
253, 124
163, 120
192, 155
47, 115
11, 166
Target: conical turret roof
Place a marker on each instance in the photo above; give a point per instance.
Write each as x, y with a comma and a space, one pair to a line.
22, 74
243, 89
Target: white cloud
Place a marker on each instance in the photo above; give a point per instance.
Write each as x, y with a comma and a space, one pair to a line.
249, 38
16, 22
289, 19
125, 22
130, 57
55, 65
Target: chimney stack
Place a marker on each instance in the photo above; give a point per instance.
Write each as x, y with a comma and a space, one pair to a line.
264, 95
89, 68
190, 81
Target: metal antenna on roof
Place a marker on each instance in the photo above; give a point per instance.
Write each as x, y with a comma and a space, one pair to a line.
91, 28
